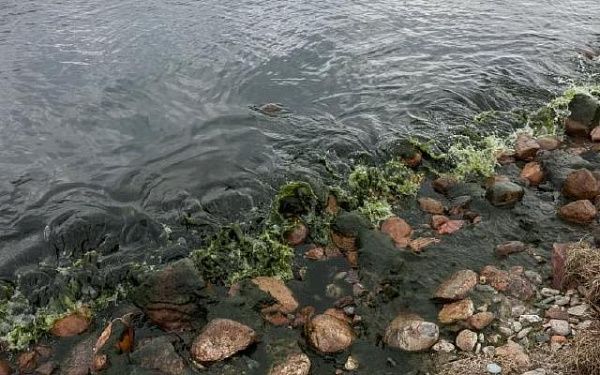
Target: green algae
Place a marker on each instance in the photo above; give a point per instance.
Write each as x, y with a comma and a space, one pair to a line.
376, 210
392, 180
477, 160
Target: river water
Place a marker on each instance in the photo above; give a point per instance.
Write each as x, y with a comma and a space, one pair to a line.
116, 116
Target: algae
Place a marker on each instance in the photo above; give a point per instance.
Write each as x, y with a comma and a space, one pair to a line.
479, 159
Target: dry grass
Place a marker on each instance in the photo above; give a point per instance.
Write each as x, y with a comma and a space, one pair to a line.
583, 358
583, 268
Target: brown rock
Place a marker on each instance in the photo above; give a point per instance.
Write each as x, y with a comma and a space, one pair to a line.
457, 286
443, 184
316, 253
276, 288
558, 339
581, 184
304, 315
595, 134
576, 128
556, 313
5, 368
71, 325
414, 160
328, 334
432, 206
438, 220
495, 277
28, 361
548, 143
466, 340
481, 320
346, 244
294, 364
296, 235
520, 287
411, 333
532, 172
558, 260
47, 368
220, 339
514, 353
510, 247
526, 147
580, 212
456, 311
332, 207
451, 226
398, 230
79, 359
417, 245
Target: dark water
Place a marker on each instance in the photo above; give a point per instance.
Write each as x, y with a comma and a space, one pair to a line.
125, 113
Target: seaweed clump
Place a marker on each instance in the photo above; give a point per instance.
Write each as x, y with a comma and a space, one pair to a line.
478, 159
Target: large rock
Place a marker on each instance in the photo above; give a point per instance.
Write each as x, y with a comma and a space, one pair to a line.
294, 364
172, 297
159, 354
504, 193
581, 184
456, 311
513, 282
411, 333
328, 334
580, 212
457, 286
221, 339
526, 147
584, 109
276, 288
70, 325
398, 229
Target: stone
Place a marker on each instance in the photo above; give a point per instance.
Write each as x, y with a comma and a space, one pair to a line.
221, 339
514, 353
524, 332
558, 260
116, 339
539, 371
456, 311
30, 360
549, 292
398, 229
417, 245
450, 226
584, 108
315, 253
70, 325
328, 334
276, 288
438, 220
79, 358
579, 212
411, 333
558, 339
466, 340
530, 319
294, 364
489, 351
560, 327
504, 193
5, 368
510, 247
576, 129
562, 301
532, 172
432, 206
47, 368
534, 277
493, 368
443, 346
351, 364
579, 310
457, 286
526, 147
172, 297
443, 184
296, 235
481, 320
159, 354
581, 184
548, 143
498, 279
595, 134
512, 282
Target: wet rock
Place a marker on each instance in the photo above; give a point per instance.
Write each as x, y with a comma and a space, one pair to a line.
316, 253
548, 143
159, 354
79, 359
456, 311
114, 341
276, 288
220, 339
514, 353
526, 147
560, 327
510, 247
438, 220
270, 109
481, 320
584, 109
504, 193
328, 334
71, 325
47, 368
466, 340
579, 212
296, 235
457, 286
581, 184
532, 172
450, 226
417, 245
443, 184
28, 361
172, 297
398, 229
411, 333
5, 368
295, 364
432, 206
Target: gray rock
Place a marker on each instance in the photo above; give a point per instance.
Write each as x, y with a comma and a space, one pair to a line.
505, 193
530, 319
580, 310
494, 368
584, 109
560, 327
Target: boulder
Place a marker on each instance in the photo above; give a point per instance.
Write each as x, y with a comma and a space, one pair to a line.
584, 109
504, 193
466, 340
276, 288
456, 311
457, 286
510, 247
481, 320
398, 229
294, 364
328, 334
411, 333
432, 206
221, 339
526, 147
579, 212
581, 184
532, 173
71, 325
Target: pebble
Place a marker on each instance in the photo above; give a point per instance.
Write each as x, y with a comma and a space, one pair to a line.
560, 327
494, 368
530, 319
578, 310
466, 340
517, 326
547, 292
524, 332
489, 351
539, 371
351, 364
562, 301
534, 277
505, 331
548, 300
444, 346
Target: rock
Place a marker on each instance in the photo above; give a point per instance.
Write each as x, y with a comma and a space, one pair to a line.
576, 129
530, 319
417, 245
549, 292
560, 327
328, 334
489, 351
46, 369
5, 368
172, 297
443, 346
466, 340
562, 301
583, 109
398, 230
534, 277
79, 359
539, 371
114, 341
524, 332
579, 310
351, 364
526, 147
71, 325
432, 206
493, 368
504, 193
28, 361
548, 143
316, 253
510, 247
220, 339
443, 184
276, 288
438, 220
411, 333
581, 184
457, 286
481, 320
514, 353
451, 226
580, 212
512, 282
495, 277
556, 313
159, 354
558, 260
456, 311
294, 364
595, 134
532, 172
296, 235
270, 109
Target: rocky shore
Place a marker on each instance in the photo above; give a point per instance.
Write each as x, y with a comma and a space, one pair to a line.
356, 283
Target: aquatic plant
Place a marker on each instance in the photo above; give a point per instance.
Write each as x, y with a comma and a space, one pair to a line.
391, 180
376, 210
476, 159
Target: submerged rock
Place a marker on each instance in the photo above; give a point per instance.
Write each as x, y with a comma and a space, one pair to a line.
457, 286
456, 311
294, 364
432, 206
328, 334
580, 212
581, 184
411, 333
71, 325
504, 193
526, 147
398, 229
532, 172
221, 339
276, 288
159, 354
510, 247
